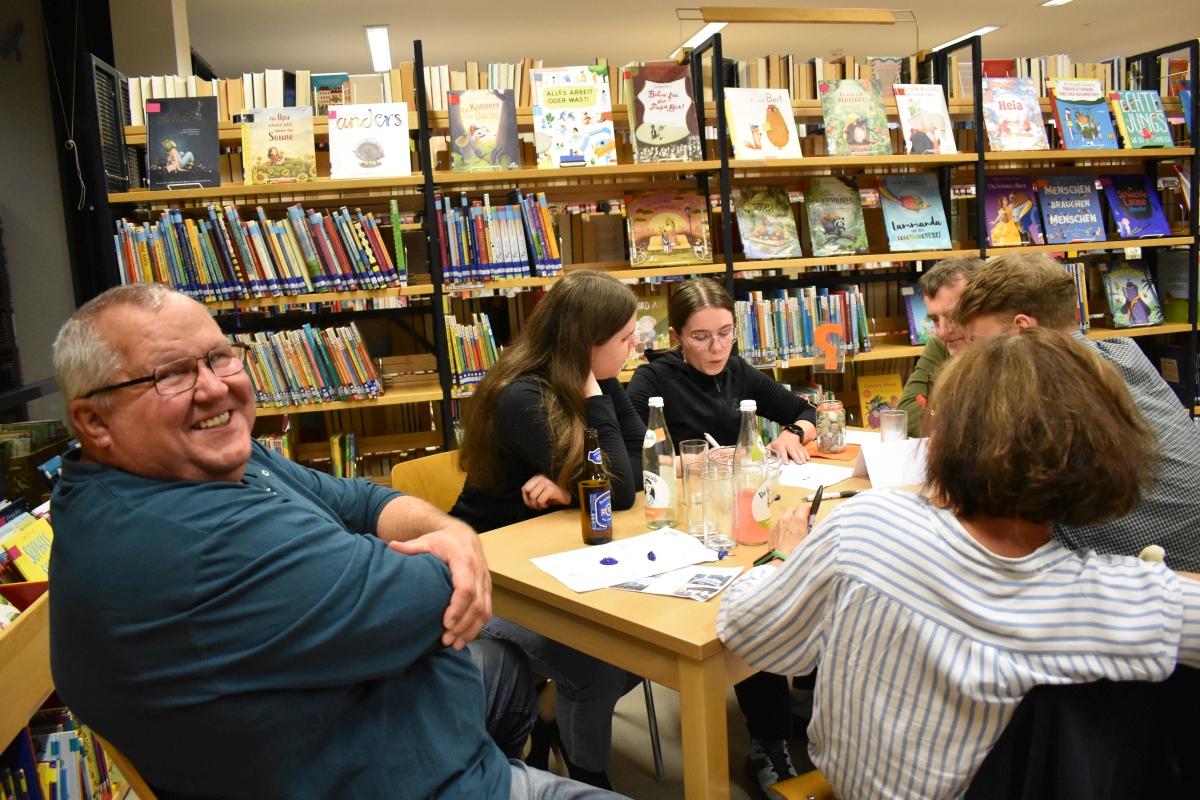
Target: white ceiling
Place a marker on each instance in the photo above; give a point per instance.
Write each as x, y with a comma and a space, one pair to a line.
325, 35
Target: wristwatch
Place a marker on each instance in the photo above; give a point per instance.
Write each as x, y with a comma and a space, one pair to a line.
796, 429
770, 556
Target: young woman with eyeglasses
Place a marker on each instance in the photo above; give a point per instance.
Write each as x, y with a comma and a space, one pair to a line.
702, 384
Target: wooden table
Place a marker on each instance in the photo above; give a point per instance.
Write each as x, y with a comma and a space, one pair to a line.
672, 641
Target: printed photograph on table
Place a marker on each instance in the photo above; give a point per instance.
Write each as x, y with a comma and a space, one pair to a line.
572, 117
855, 120
1012, 114
835, 216
1132, 296
1141, 119
369, 141
913, 213
1011, 210
924, 119
662, 113
1070, 208
277, 146
1133, 202
875, 393
181, 139
667, 228
765, 222
761, 124
1082, 114
483, 130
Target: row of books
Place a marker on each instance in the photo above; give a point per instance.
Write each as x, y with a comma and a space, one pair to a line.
224, 257
480, 241
472, 349
58, 757
1063, 209
779, 325
309, 365
25, 541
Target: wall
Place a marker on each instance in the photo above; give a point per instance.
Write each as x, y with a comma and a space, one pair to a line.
31, 200
160, 54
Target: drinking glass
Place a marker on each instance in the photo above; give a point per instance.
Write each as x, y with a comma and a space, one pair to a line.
893, 425
718, 507
691, 450
691, 499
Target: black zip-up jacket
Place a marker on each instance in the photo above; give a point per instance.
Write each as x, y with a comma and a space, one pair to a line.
695, 403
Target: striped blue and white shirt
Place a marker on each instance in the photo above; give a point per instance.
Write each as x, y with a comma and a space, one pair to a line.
927, 641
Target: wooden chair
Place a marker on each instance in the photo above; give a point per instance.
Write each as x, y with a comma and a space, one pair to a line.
131, 775
809, 786
436, 479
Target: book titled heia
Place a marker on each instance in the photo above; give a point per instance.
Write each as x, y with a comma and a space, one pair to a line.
181, 143
369, 141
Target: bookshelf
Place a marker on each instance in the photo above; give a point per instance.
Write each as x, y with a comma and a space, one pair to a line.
25, 667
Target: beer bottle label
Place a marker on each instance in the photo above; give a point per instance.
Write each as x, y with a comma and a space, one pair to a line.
600, 509
594, 456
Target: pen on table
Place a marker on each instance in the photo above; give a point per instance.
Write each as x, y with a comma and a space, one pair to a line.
711, 440
816, 505
832, 495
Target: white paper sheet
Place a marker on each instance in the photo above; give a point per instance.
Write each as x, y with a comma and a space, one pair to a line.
698, 583
890, 464
812, 475
605, 565
861, 437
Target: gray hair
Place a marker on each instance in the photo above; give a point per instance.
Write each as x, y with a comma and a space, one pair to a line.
83, 359
946, 272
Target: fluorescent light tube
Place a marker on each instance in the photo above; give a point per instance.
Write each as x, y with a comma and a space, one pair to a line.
1056, 2
381, 51
977, 32
699, 36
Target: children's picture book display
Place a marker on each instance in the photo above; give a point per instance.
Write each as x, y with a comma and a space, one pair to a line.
924, 119
572, 117
369, 141
667, 228
1133, 202
855, 120
1012, 114
662, 113
483, 130
920, 328
1082, 115
766, 224
1132, 297
875, 393
651, 329
181, 138
1070, 207
761, 124
277, 146
329, 89
835, 216
1012, 215
1141, 119
913, 213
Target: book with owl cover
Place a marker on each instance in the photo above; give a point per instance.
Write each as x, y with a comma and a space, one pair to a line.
483, 130
1132, 297
1012, 114
369, 141
1141, 119
1011, 209
277, 146
913, 214
855, 120
181, 143
835, 218
924, 118
1070, 208
667, 228
766, 224
572, 117
662, 113
1082, 115
1133, 202
761, 124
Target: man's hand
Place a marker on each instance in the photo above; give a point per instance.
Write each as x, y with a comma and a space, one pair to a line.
540, 492
790, 448
790, 530
470, 607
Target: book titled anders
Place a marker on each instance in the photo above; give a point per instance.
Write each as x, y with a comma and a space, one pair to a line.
1082, 115
835, 217
855, 120
913, 214
181, 143
1141, 118
277, 146
1070, 208
483, 130
1137, 212
765, 221
667, 228
369, 141
662, 113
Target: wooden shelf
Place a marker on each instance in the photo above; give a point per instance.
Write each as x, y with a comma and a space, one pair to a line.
526, 176
411, 393
272, 192
841, 162
618, 269
879, 352
368, 446
1121, 244
25, 667
1145, 330
321, 297
1089, 155
854, 258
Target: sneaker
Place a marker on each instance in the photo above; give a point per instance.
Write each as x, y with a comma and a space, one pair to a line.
768, 764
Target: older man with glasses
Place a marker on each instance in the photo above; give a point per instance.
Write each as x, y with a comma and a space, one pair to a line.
242, 626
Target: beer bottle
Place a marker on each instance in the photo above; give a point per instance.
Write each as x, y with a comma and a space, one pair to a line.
595, 493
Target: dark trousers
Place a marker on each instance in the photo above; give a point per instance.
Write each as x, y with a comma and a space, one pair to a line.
766, 701
510, 703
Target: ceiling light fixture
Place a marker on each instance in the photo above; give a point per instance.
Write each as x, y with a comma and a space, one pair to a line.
381, 51
699, 37
986, 29
1055, 3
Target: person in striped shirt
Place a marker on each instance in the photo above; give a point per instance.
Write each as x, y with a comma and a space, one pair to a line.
931, 615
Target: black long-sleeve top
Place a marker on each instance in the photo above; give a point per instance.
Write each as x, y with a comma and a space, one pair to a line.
696, 403
523, 439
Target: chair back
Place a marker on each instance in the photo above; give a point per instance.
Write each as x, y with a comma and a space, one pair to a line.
126, 768
809, 786
436, 479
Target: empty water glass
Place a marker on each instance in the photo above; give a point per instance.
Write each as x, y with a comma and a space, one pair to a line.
691, 499
718, 507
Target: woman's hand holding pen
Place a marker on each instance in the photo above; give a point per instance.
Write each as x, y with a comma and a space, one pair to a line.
790, 530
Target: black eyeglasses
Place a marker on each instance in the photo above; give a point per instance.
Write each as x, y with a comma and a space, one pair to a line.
178, 376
